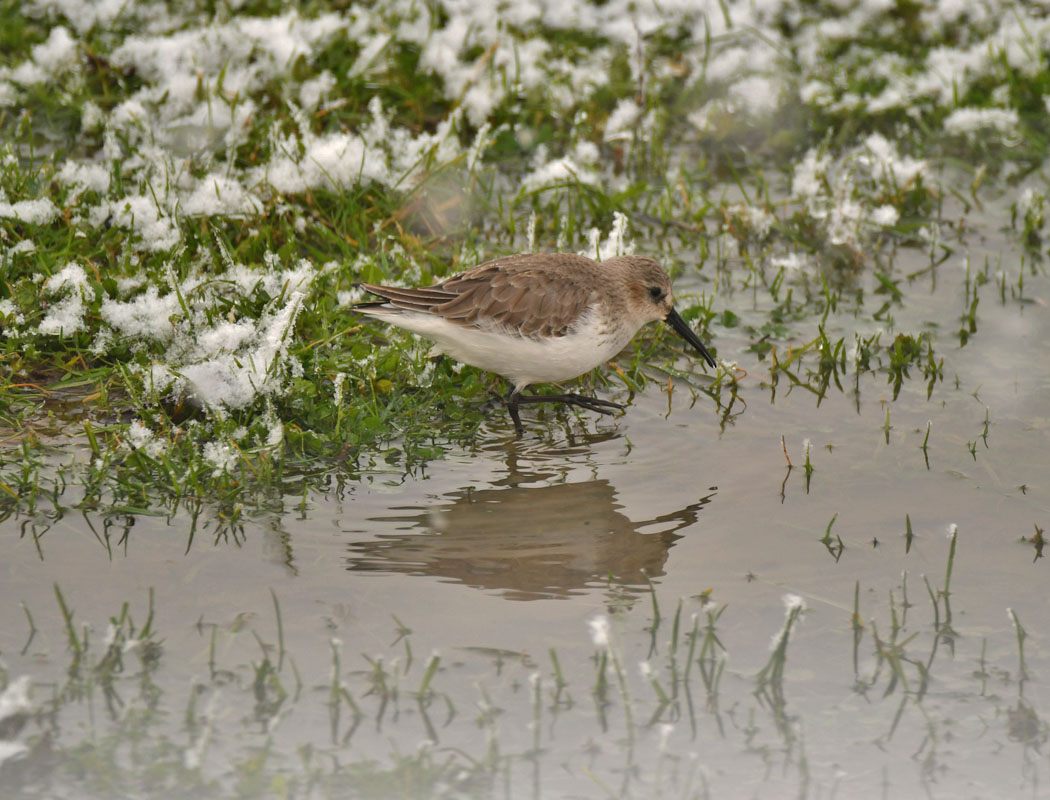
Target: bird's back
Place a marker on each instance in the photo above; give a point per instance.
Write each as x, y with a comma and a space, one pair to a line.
531, 294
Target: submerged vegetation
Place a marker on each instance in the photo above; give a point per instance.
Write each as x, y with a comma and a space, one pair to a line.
262, 721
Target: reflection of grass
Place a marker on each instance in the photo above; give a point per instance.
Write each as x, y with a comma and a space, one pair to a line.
769, 683
834, 546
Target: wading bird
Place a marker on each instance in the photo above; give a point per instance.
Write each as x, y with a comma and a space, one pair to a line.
537, 318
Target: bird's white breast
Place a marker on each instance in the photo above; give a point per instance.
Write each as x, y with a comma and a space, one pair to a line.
522, 359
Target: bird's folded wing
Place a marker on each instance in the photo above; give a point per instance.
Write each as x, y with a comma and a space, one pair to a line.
424, 300
514, 297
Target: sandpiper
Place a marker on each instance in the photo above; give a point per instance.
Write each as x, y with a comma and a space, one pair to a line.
537, 318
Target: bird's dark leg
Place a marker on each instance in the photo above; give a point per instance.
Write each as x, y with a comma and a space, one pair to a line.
515, 398
590, 403
512, 406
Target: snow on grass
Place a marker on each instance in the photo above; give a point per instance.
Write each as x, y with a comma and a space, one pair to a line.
245, 53
580, 166
8, 308
204, 88
883, 161
84, 176
841, 194
220, 195
623, 120
148, 316
969, 45
757, 221
1030, 205
971, 121
65, 316
156, 229
756, 95
199, 350
556, 172
139, 437
373, 45
885, 215
350, 297
616, 244
71, 276
194, 98
219, 336
380, 152
49, 59
36, 212
314, 90
810, 175
200, 84
220, 455
248, 364
226, 337
84, 15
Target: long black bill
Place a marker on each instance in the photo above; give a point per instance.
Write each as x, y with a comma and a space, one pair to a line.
681, 327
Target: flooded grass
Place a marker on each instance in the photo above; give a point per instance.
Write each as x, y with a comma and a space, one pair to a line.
256, 545
263, 716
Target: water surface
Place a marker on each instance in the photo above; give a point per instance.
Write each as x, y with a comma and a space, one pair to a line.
454, 605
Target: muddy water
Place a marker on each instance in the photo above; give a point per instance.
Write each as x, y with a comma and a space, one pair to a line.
487, 562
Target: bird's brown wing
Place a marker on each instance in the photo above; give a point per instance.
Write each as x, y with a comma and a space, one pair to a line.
532, 295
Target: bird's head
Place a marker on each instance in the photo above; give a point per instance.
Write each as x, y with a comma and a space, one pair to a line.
649, 297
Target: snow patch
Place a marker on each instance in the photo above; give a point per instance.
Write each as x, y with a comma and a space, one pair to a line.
34, 212
970, 121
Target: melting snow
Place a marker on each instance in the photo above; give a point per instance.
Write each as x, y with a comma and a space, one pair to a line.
14, 700
49, 58
247, 365
35, 212
968, 121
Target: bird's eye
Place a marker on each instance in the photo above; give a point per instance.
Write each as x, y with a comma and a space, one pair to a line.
656, 292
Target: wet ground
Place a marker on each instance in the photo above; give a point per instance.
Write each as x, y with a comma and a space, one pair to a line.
457, 607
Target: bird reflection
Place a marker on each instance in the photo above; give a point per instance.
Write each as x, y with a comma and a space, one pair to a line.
527, 541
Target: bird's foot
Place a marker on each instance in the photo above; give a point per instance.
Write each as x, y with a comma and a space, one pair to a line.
514, 400
590, 403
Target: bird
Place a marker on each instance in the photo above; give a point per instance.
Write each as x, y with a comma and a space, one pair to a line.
537, 318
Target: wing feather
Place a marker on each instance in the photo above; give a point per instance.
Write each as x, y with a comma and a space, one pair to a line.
541, 294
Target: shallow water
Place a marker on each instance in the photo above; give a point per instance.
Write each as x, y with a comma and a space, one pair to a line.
497, 557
